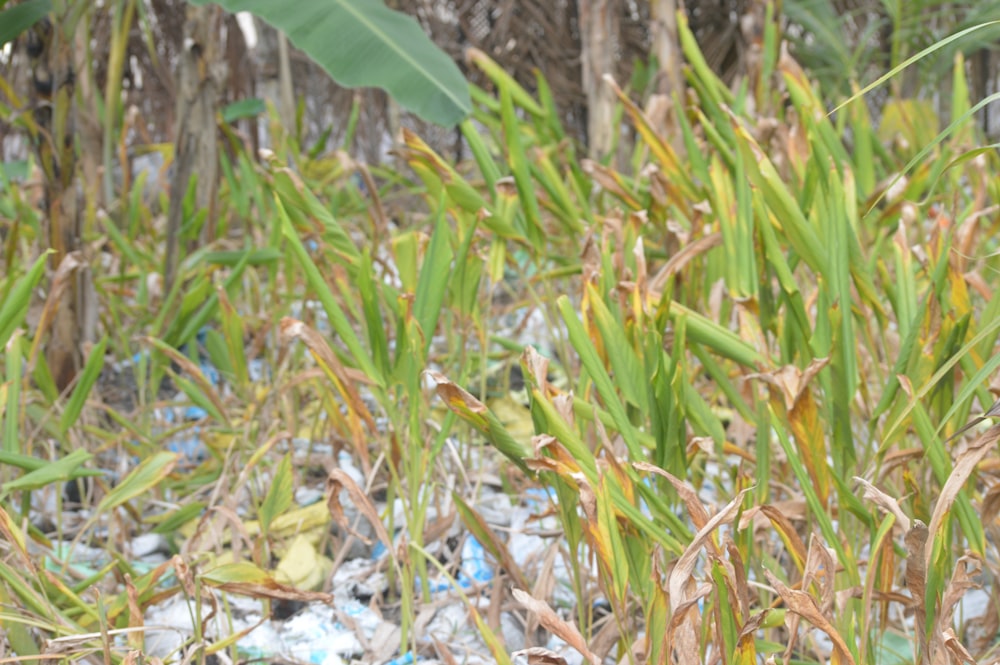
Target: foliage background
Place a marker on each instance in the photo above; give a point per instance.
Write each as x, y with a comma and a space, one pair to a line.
765, 312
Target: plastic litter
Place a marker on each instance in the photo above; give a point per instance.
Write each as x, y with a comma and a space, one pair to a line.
314, 635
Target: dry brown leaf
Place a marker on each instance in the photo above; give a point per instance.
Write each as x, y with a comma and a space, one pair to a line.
436, 529
685, 624
543, 464
804, 605
273, 589
636, 652
540, 656
746, 645
979, 284
958, 652
790, 381
194, 371
990, 505
210, 532
967, 459
899, 461
551, 621
685, 565
610, 181
184, 574
345, 379
789, 389
743, 590
680, 259
732, 593
61, 280
981, 631
915, 576
590, 258
135, 615
338, 480
545, 584
966, 568
786, 530
884, 501
821, 567
563, 404
905, 385
451, 392
696, 509
443, 652
606, 638
916, 540
536, 366
558, 459
588, 501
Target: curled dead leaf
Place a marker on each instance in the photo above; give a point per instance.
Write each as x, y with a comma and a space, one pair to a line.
685, 565
791, 382
804, 605
884, 501
551, 621
540, 656
958, 652
786, 530
962, 580
699, 515
536, 368
457, 398
966, 460
339, 480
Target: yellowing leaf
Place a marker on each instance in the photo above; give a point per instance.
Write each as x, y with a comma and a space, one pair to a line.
302, 566
140, 481
246, 579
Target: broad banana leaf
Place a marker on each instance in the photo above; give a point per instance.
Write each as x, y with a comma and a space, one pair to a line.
363, 43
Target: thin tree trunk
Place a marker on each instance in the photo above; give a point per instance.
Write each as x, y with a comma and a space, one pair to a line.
598, 32
666, 47
52, 96
275, 73
196, 152
286, 106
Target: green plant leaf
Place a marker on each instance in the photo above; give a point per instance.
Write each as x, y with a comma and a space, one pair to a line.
12, 390
599, 375
334, 312
178, 518
478, 527
435, 273
20, 17
142, 478
29, 463
279, 494
61, 470
364, 43
245, 108
88, 377
474, 412
16, 301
